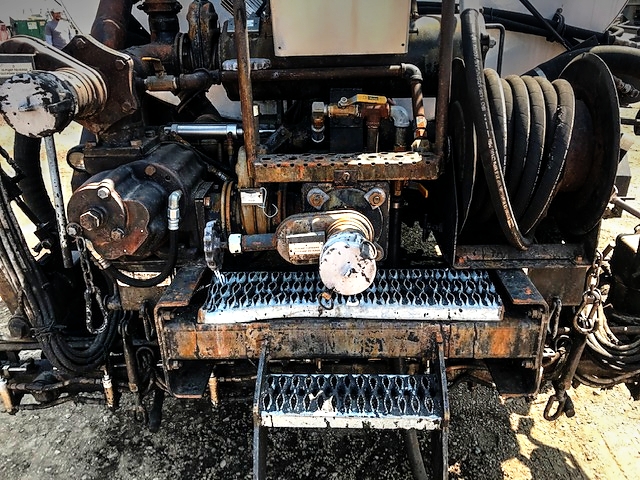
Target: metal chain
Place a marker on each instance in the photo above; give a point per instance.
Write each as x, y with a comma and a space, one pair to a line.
585, 322
587, 315
91, 291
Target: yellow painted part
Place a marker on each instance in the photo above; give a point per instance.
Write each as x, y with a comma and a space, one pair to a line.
364, 98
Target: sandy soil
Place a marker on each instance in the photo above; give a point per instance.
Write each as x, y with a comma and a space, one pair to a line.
489, 439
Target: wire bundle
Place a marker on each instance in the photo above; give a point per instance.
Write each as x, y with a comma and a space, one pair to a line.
25, 277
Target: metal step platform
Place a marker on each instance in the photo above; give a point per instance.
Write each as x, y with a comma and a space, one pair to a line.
396, 294
354, 401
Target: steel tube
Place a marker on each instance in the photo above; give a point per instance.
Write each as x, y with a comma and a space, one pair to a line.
58, 200
205, 129
251, 138
319, 73
618, 202
447, 30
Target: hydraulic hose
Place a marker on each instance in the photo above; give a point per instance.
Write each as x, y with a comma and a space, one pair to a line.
30, 284
487, 149
620, 60
167, 269
26, 153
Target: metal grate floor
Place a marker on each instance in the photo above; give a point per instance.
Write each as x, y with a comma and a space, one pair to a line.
351, 401
407, 294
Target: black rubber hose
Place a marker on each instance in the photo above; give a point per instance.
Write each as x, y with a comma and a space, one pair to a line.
521, 130
26, 154
535, 147
168, 268
484, 129
620, 60
556, 159
28, 281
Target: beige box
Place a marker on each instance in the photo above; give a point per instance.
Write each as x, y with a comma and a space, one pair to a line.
340, 27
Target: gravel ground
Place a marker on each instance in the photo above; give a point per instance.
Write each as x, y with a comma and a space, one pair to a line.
489, 439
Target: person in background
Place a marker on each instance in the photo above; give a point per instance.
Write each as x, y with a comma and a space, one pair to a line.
57, 32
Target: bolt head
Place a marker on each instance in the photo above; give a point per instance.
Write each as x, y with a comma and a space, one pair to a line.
120, 64
103, 193
150, 170
91, 220
74, 229
117, 234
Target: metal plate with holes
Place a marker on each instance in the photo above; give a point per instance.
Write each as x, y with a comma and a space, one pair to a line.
369, 166
351, 401
437, 294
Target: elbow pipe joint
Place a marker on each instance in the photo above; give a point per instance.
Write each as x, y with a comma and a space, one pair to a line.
173, 210
411, 72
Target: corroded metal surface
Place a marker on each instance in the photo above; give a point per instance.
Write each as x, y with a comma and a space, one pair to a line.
395, 295
351, 401
365, 166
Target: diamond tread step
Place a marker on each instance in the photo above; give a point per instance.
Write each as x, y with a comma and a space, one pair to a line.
402, 294
378, 401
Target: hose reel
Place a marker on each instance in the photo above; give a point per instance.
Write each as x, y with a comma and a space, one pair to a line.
557, 145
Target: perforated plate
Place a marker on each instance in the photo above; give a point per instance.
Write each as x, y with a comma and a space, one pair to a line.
438, 294
351, 401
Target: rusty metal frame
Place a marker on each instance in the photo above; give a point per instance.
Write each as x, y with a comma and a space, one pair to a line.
361, 167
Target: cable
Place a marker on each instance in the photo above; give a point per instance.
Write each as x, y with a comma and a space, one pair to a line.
167, 269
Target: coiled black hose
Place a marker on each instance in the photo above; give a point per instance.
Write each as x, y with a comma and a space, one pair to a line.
167, 269
31, 286
524, 127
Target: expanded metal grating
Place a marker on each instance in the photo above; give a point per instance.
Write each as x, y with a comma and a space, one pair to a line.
406, 294
351, 401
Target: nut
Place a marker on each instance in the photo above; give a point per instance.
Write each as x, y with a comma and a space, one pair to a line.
117, 234
375, 197
73, 229
103, 193
91, 219
317, 198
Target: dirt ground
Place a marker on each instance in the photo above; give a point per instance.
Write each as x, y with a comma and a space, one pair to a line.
489, 439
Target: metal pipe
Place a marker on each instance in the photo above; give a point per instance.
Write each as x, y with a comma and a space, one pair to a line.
205, 129
251, 137
414, 76
445, 59
534, 11
340, 73
110, 24
58, 200
618, 202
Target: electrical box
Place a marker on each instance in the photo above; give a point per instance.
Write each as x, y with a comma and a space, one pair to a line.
340, 27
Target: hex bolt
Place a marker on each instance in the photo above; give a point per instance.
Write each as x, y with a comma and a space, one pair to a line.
126, 106
91, 219
73, 229
375, 197
317, 198
150, 170
120, 64
81, 43
103, 193
117, 234
346, 176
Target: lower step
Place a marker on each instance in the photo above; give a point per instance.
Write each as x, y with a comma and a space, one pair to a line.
351, 401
